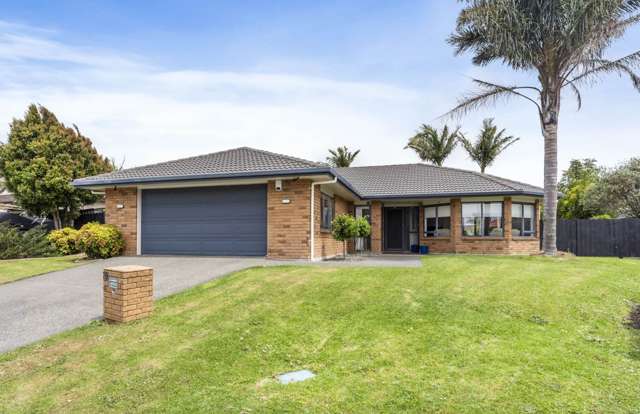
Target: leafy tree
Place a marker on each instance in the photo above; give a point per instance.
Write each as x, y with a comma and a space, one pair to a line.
562, 42
40, 159
618, 191
434, 146
342, 157
343, 228
577, 181
488, 146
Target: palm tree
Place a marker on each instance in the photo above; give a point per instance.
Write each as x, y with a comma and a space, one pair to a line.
432, 146
562, 42
341, 157
488, 146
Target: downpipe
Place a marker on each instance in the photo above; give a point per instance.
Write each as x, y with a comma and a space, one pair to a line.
312, 232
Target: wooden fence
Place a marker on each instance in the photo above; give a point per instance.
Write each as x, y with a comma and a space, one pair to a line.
618, 238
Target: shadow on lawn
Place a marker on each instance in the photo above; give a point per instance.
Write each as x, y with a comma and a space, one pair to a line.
633, 324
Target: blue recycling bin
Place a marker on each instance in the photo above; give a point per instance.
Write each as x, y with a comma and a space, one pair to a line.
424, 249
415, 248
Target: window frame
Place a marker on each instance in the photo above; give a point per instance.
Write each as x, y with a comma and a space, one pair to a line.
424, 224
482, 217
332, 206
534, 225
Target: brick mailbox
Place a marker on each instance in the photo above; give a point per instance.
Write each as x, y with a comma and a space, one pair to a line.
128, 293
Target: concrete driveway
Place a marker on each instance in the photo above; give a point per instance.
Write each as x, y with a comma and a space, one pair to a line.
34, 308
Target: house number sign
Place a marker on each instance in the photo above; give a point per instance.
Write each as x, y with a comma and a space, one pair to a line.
113, 284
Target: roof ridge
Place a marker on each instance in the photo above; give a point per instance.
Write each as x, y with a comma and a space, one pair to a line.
319, 164
494, 179
511, 181
177, 160
216, 153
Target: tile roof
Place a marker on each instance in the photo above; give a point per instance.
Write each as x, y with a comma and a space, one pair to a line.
384, 181
235, 162
406, 180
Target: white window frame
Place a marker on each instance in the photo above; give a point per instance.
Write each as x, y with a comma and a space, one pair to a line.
482, 217
437, 207
533, 219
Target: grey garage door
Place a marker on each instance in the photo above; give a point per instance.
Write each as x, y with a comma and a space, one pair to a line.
208, 221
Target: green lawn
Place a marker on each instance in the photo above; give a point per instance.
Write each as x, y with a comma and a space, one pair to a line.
11, 270
461, 334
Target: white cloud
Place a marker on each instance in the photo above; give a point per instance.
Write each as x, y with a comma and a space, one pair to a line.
136, 110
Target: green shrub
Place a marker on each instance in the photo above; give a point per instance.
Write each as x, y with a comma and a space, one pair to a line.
17, 244
65, 240
363, 228
100, 241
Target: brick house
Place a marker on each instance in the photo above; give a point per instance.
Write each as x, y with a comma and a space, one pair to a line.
248, 202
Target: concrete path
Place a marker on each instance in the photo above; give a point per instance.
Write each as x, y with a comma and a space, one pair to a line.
35, 308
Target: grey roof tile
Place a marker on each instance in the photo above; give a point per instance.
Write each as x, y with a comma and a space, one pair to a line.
237, 161
407, 180
383, 181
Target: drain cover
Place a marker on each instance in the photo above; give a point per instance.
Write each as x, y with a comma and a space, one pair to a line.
295, 376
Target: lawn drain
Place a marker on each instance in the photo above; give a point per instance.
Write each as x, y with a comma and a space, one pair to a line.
295, 376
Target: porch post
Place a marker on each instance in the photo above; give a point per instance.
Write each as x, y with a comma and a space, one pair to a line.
456, 223
376, 227
507, 219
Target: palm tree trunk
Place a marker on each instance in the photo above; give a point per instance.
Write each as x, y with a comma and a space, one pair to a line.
549, 120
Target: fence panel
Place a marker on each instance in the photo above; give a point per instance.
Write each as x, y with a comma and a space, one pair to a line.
619, 238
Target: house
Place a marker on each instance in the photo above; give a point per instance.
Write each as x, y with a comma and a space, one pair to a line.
249, 202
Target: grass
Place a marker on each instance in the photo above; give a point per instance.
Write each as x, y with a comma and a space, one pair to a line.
461, 334
12, 270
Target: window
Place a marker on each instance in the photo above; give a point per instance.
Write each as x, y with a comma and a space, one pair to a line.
326, 211
522, 220
482, 219
437, 221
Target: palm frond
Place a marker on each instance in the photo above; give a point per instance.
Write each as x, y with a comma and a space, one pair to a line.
489, 94
593, 68
576, 93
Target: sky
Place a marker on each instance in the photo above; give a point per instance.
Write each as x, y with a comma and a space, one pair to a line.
155, 81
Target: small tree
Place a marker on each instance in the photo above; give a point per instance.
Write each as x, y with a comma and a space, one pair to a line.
576, 183
39, 161
342, 157
618, 190
488, 146
434, 146
343, 228
363, 226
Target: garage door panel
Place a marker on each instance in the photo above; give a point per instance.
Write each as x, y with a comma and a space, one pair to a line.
205, 221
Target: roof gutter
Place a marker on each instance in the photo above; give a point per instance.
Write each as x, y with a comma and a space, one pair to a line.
312, 226
445, 195
81, 182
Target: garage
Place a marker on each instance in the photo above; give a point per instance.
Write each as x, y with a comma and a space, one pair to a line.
205, 221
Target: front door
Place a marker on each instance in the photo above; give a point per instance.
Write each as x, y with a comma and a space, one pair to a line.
394, 229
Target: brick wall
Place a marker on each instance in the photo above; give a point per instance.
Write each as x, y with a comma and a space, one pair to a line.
325, 245
288, 224
376, 227
124, 218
